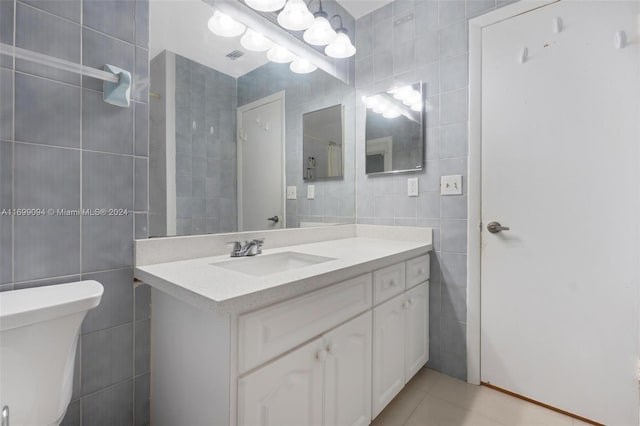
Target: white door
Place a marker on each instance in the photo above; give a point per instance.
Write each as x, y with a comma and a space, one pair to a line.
416, 330
388, 352
287, 392
348, 374
261, 164
560, 137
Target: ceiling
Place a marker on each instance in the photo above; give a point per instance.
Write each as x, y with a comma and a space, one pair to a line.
180, 26
359, 8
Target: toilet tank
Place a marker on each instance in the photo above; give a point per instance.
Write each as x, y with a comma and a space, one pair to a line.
39, 329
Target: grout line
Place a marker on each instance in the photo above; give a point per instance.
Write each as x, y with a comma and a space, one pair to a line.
13, 149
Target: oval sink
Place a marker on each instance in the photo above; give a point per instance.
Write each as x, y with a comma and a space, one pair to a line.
271, 263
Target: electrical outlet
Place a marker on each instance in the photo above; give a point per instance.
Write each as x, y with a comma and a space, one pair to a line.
451, 185
412, 187
292, 192
311, 192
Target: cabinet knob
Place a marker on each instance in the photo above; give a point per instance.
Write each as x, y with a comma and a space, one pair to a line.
392, 283
332, 348
420, 271
321, 355
409, 302
405, 304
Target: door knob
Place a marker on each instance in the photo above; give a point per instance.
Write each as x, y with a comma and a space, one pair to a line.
495, 227
274, 219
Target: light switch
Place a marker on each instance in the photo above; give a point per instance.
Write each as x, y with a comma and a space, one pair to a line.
311, 192
451, 185
412, 187
292, 192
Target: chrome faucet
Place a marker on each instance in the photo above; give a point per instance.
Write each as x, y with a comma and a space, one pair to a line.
250, 248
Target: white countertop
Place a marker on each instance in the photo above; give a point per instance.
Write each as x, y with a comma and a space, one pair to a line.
198, 282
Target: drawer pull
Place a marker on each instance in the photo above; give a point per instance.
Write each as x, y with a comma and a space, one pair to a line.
405, 305
321, 355
393, 283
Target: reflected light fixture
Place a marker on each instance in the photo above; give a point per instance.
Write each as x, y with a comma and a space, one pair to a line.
224, 25
295, 16
254, 41
266, 5
302, 66
320, 33
280, 55
391, 113
341, 46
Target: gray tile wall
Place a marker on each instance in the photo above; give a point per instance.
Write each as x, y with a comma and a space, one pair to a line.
431, 45
334, 200
206, 102
62, 147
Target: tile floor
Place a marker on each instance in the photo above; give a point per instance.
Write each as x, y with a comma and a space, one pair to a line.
433, 399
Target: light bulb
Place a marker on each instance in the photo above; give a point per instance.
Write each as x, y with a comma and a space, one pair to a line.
265, 5
402, 92
391, 113
320, 32
340, 47
253, 40
381, 107
302, 66
295, 16
370, 101
412, 98
224, 25
280, 55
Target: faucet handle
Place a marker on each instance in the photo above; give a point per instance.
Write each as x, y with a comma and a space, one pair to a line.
237, 247
258, 242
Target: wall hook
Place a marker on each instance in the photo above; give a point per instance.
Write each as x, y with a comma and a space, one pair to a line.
524, 55
620, 39
558, 25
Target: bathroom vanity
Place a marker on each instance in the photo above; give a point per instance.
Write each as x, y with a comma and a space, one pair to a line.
325, 327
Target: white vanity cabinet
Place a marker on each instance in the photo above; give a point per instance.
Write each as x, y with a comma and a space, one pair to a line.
327, 381
400, 332
335, 356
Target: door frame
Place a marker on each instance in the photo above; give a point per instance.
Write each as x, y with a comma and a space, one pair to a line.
278, 96
474, 173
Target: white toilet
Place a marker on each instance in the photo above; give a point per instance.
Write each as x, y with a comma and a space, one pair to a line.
39, 329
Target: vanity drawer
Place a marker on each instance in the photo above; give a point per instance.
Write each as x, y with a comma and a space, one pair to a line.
388, 282
418, 271
269, 332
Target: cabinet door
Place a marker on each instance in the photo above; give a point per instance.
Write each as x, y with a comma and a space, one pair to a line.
287, 392
416, 329
348, 373
388, 352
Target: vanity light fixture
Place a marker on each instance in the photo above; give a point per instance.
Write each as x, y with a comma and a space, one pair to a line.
302, 66
295, 16
391, 113
224, 25
320, 33
341, 46
266, 5
280, 55
254, 41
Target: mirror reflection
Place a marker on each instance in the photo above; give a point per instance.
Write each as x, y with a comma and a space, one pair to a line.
395, 130
322, 143
232, 131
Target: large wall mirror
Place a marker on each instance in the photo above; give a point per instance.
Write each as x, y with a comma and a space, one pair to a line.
231, 130
395, 130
